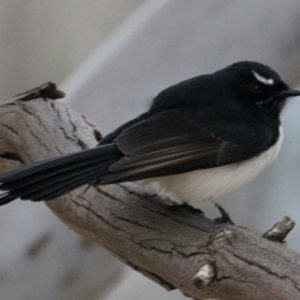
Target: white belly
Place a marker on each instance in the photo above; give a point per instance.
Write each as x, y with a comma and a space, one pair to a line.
210, 184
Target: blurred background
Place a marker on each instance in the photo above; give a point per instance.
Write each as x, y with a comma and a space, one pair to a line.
112, 57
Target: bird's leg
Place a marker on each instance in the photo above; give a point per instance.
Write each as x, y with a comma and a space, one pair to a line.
225, 218
178, 207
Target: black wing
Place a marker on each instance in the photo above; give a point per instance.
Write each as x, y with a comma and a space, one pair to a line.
178, 141
111, 137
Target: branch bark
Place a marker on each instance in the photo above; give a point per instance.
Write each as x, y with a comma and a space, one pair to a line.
178, 250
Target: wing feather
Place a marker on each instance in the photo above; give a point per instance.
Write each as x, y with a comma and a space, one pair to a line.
178, 141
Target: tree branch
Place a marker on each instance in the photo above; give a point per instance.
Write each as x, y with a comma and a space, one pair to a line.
178, 250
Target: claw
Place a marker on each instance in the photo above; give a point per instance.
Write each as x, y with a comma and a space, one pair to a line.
177, 207
225, 218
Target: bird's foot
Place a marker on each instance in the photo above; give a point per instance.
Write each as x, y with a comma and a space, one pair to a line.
225, 218
178, 207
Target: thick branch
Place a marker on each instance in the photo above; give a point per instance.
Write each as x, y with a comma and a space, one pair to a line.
180, 250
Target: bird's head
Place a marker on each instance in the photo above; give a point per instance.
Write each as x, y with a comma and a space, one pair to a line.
259, 85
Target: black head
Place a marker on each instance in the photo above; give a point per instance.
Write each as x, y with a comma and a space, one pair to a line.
257, 84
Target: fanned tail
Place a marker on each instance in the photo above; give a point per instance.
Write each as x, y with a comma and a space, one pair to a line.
54, 177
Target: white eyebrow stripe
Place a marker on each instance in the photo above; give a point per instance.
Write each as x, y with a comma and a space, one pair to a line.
268, 81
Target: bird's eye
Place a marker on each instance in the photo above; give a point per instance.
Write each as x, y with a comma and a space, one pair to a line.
256, 87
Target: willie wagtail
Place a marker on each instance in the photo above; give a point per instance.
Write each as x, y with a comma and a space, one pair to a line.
201, 139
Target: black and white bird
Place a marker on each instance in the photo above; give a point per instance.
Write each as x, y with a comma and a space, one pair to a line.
201, 139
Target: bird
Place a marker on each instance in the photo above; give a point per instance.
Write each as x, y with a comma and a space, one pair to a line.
201, 139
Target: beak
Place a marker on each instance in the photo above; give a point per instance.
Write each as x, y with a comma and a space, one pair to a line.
287, 93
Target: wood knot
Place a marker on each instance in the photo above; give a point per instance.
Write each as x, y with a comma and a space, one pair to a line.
205, 276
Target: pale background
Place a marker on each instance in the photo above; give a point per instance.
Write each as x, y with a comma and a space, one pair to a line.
112, 57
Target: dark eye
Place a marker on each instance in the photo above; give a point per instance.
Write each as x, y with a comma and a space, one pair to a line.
256, 87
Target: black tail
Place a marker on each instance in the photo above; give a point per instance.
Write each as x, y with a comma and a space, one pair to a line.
51, 178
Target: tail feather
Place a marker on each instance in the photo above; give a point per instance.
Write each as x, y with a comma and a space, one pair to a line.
55, 162
48, 175
56, 176
40, 188
64, 187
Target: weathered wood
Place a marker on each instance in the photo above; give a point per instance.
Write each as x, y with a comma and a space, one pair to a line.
177, 250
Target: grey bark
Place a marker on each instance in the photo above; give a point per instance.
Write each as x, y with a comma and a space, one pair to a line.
177, 250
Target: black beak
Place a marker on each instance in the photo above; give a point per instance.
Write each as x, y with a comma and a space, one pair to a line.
287, 93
